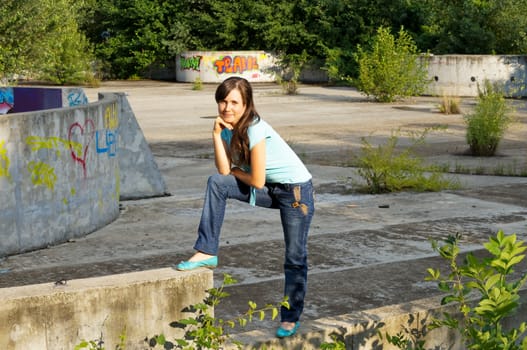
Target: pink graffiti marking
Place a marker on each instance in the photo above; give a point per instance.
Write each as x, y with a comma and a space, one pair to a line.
82, 133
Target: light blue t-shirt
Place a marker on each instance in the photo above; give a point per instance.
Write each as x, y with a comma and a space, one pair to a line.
282, 165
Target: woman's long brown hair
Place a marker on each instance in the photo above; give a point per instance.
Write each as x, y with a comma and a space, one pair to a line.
239, 148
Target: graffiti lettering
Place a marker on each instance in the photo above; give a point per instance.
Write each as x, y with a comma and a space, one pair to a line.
81, 132
110, 145
4, 161
38, 142
77, 97
111, 120
190, 63
238, 64
42, 174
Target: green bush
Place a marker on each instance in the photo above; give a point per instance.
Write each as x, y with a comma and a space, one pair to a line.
489, 121
387, 169
391, 69
482, 323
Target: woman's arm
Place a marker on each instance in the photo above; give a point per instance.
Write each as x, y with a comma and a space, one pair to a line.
221, 153
256, 178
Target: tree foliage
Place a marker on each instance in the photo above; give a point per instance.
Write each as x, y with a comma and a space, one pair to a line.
40, 39
129, 37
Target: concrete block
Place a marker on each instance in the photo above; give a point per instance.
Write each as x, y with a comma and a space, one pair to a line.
55, 316
363, 330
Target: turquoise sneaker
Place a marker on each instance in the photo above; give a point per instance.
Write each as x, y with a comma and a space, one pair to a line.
210, 263
283, 333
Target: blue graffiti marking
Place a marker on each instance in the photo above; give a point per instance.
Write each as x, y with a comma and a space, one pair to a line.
110, 140
7, 99
76, 98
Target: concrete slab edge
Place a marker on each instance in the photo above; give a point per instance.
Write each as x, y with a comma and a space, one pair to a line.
366, 330
136, 305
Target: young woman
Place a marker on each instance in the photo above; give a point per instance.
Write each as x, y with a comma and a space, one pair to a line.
257, 166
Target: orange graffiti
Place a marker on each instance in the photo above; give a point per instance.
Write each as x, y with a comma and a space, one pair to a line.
238, 64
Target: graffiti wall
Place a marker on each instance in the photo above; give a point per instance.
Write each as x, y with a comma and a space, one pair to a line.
27, 99
59, 174
216, 66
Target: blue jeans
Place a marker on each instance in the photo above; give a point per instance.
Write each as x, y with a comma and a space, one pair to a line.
296, 205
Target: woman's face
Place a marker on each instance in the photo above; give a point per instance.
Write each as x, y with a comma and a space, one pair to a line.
231, 108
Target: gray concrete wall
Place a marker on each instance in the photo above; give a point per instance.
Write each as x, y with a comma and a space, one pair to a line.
459, 75
456, 75
59, 175
64, 170
139, 175
137, 305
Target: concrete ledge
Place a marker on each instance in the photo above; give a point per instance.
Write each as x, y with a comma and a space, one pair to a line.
142, 304
360, 331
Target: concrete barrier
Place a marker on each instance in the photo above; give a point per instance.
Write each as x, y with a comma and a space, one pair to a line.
455, 75
63, 171
367, 329
59, 174
460, 75
135, 305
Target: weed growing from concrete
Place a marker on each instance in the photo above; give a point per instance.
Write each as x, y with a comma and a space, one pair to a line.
335, 344
489, 121
203, 331
197, 84
450, 105
99, 343
386, 169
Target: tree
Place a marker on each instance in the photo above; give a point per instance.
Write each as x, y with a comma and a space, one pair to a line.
129, 36
19, 32
473, 27
65, 53
40, 39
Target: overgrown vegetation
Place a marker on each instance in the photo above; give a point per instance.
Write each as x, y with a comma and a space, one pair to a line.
390, 70
203, 331
387, 168
487, 124
198, 84
450, 105
484, 291
41, 40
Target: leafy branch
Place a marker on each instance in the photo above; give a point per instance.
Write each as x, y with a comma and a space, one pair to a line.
203, 331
